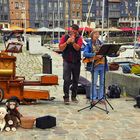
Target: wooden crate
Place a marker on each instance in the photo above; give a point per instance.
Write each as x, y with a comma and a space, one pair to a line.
49, 79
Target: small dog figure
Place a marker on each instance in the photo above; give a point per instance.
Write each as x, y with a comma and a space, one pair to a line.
3, 113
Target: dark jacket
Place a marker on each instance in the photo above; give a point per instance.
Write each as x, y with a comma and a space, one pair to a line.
70, 54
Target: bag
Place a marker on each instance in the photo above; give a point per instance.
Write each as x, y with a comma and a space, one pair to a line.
80, 89
83, 86
137, 101
45, 122
113, 66
126, 69
114, 91
27, 122
135, 69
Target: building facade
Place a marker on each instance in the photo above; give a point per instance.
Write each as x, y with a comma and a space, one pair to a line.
47, 13
113, 10
4, 14
88, 12
76, 11
19, 13
128, 13
62, 13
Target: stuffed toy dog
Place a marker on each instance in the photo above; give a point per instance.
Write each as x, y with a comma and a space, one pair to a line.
3, 113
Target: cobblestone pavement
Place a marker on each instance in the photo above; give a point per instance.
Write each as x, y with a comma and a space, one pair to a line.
122, 123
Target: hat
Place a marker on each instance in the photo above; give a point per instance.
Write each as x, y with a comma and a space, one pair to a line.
75, 27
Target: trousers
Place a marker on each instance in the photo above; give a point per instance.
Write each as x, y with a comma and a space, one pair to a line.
71, 72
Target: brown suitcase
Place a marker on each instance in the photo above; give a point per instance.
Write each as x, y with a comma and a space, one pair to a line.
27, 122
49, 79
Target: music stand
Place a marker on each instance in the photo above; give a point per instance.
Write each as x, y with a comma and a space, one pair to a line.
106, 50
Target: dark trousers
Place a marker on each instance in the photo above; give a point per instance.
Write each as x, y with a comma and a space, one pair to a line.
71, 72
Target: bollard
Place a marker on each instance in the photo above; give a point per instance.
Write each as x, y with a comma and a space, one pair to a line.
47, 64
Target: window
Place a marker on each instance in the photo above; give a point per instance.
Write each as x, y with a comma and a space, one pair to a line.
6, 25
97, 13
130, 4
42, 8
22, 5
78, 22
55, 16
36, 8
73, 6
61, 5
97, 3
16, 5
17, 15
5, 9
61, 15
78, 6
36, 25
78, 14
55, 5
50, 16
5, 1
1, 17
73, 14
50, 5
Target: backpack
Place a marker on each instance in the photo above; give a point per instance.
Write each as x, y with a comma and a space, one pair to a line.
137, 101
126, 69
114, 91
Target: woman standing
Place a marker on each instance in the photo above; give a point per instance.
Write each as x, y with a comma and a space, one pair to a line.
95, 66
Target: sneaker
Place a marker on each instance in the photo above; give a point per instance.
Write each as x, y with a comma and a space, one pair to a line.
66, 101
74, 99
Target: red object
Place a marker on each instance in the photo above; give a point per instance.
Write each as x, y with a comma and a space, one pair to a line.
87, 29
126, 29
68, 28
138, 28
129, 29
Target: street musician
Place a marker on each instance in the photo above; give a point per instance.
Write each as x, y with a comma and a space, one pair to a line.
95, 64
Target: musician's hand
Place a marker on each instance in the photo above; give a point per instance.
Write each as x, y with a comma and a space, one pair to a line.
70, 40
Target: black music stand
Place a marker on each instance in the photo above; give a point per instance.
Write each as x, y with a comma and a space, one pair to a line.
111, 51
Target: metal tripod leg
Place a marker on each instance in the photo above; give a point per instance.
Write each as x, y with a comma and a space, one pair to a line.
103, 98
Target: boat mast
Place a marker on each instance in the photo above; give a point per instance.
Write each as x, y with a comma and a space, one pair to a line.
103, 7
87, 16
58, 19
136, 25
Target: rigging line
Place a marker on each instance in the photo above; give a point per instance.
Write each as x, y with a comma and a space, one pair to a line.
87, 16
136, 29
103, 7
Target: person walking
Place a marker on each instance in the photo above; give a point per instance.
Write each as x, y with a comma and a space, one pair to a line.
70, 45
95, 66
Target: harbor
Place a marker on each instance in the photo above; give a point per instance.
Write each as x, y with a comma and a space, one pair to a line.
122, 123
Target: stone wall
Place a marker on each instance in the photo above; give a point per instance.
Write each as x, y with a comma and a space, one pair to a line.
130, 82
